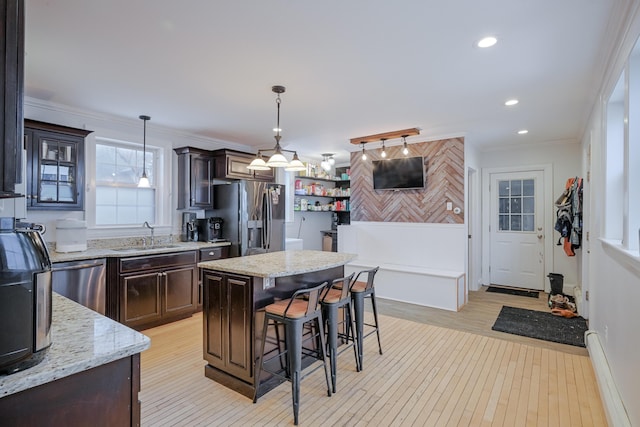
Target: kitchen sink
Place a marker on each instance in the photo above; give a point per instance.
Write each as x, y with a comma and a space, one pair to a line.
144, 248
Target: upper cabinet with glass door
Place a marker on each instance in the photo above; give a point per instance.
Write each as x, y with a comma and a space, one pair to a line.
55, 166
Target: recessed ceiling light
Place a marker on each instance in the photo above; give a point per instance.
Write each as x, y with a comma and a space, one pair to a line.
523, 132
487, 42
511, 102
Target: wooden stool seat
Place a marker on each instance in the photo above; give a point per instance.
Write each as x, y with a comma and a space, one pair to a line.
296, 308
359, 287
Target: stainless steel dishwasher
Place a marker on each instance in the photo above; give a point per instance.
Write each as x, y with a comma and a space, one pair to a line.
84, 282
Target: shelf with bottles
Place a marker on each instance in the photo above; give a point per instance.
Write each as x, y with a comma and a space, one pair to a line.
301, 204
318, 189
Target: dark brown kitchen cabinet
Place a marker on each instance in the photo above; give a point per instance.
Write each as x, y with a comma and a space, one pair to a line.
157, 289
55, 166
11, 94
195, 176
231, 164
209, 254
228, 323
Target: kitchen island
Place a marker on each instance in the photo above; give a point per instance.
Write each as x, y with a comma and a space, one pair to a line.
235, 291
89, 376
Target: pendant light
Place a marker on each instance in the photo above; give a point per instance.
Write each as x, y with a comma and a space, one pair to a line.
405, 150
364, 154
384, 153
277, 159
144, 181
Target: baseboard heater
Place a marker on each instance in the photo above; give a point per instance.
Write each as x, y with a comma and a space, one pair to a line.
613, 406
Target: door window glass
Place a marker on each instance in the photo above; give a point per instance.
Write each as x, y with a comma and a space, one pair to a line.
516, 205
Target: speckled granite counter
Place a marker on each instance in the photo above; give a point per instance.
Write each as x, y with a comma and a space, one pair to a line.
127, 251
280, 264
81, 339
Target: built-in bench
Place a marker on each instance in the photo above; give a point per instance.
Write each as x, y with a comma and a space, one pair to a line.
419, 263
446, 289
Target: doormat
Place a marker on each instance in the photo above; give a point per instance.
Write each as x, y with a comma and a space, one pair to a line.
519, 292
541, 325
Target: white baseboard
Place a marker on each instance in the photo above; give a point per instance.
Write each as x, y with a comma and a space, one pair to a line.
613, 406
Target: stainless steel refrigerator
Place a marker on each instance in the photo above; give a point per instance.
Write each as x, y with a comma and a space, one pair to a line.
253, 216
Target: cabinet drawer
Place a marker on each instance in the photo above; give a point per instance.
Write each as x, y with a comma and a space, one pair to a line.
145, 262
210, 254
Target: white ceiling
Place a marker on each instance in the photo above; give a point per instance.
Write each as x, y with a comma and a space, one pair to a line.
351, 67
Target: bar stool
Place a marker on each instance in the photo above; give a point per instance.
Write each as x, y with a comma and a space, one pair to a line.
293, 313
359, 291
337, 297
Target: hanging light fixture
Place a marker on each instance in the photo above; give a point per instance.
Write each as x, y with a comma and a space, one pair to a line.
405, 150
277, 159
144, 181
384, 153
364, 154
327, 161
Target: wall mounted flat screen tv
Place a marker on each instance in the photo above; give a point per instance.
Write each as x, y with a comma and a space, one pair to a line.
396, 174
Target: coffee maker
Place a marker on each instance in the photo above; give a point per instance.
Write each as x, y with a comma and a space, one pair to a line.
210, 229
189, 227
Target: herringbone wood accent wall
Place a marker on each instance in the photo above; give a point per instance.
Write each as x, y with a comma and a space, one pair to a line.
444, 166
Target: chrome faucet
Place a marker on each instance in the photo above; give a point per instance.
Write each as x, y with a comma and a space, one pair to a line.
146, 224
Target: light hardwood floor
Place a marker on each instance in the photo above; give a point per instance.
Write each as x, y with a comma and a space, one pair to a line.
438, 368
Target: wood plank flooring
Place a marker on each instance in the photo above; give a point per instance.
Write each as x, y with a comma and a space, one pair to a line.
439, 368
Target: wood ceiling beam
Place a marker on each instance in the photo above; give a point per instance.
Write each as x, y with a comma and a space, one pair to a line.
387, 135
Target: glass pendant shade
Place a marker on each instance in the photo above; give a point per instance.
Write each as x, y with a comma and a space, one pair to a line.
258, 164
278, 160
144, 181
295, 165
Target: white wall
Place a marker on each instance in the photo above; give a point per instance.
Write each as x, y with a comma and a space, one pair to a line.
307, 226
565, 158
612, 276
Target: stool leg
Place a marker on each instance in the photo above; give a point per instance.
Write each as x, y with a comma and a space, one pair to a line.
293, 331
375, 316
323, 346
259, 367
358, 308
332, 333
351, 333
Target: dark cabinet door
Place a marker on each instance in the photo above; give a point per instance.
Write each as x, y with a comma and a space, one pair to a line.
11, 94
228, 317
214, 318
239, 350
179, 291
55, 166
141, 299
201, 179
195, 177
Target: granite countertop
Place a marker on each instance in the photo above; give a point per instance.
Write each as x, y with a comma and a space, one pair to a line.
81, 339
118, 252
279, 264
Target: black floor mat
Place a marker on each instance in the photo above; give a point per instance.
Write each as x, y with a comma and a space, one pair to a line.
541, 325
519, 292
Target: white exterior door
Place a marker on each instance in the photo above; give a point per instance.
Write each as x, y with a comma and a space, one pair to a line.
517, 247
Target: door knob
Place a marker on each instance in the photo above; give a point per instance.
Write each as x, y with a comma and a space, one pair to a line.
540, 236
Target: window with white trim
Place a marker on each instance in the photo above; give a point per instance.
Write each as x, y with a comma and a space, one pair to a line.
119, 201
622, 208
